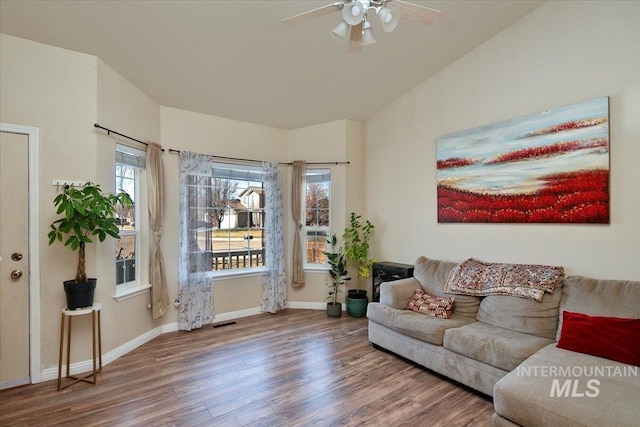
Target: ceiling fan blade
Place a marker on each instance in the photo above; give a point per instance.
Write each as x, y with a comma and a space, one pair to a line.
355, 39
324, 10
415, 12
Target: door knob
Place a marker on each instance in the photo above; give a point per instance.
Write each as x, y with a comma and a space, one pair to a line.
16, 274
16, 256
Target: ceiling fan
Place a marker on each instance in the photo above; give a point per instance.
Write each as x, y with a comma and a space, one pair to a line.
355, 26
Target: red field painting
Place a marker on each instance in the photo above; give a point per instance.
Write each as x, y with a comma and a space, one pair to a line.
551, 167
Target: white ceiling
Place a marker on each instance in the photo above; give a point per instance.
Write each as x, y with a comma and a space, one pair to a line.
235, 59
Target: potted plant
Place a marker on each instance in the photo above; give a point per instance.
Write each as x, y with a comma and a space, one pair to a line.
87, 212
356, 248
339, 275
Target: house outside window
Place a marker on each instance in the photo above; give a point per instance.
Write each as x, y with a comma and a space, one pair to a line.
129, 171
317, 216
226, 219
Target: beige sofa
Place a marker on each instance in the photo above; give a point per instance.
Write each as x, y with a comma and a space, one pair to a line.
505, 347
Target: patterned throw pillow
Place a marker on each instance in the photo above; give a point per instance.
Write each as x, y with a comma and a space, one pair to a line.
431, 306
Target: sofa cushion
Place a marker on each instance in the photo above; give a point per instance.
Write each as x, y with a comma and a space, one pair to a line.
432, 275
612, 298
501, 348
431, 306
613, 338
425, 328
397, 293
533, 394
523, 315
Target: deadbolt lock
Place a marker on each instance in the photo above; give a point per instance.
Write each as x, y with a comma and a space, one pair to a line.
16, 256
16, 274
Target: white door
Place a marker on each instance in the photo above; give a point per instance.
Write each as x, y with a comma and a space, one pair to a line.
14, 259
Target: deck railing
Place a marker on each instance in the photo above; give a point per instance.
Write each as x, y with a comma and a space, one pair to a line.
227, 260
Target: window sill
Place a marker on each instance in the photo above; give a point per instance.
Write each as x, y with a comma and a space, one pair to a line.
230, 274
130, 292
317, 269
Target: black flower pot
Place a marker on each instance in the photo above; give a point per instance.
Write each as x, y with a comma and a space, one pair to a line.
357, 293
80, 295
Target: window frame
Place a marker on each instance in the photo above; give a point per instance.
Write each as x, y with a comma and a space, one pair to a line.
234, 172
141, 283
310, 266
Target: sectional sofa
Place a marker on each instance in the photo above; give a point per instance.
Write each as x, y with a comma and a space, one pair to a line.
507, 347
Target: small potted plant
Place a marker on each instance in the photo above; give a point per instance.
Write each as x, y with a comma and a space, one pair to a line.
87, 212
339, 275
356, 249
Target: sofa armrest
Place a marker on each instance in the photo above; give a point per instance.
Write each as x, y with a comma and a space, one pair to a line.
397, 294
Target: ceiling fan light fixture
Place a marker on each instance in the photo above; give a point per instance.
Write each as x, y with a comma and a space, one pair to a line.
367, 34
388, 17
341, 31
355, 28
353, 13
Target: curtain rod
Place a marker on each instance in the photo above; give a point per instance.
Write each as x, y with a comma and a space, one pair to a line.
171, 150
110, 131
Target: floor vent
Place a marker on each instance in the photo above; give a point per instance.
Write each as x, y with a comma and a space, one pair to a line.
219, 325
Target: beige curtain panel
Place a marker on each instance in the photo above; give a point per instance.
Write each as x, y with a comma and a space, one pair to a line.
156, 195
297, 209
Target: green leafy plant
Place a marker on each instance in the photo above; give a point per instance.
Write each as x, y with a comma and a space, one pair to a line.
339, 274
356, 245
87, 212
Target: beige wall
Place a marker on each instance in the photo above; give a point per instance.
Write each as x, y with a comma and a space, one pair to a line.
201, 133
337, 141
64, 93
561, 53
126, 109
54, 90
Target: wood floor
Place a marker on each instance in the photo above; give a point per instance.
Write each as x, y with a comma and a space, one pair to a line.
296, 368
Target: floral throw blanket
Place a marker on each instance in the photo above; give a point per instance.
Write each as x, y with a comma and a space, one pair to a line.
473, 277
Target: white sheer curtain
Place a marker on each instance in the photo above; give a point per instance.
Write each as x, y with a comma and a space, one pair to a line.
274, 288
195, 285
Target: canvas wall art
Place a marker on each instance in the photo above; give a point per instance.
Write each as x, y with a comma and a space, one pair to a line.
550, 167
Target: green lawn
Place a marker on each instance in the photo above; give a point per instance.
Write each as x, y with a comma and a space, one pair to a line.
238, 233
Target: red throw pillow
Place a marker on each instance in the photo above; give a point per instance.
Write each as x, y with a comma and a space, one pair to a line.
431, 306
613, 338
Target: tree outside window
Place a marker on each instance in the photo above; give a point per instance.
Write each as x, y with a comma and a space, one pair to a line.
226, 219
129, 163
317, 214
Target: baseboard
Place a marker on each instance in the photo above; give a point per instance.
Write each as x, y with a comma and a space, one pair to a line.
169, 327
232, 315
87, 365
304, 305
